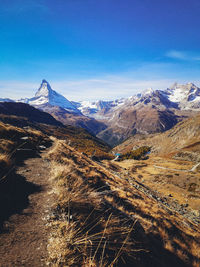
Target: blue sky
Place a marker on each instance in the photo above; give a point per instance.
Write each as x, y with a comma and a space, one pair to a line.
91, 49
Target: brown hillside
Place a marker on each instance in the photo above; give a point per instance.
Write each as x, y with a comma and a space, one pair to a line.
132, 120
23, 115
74, 119
28, 112
102, 219
185, 136
172, 169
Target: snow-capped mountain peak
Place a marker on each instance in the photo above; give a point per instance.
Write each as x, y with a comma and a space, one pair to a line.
148, 91
45, 95
44, 89
183, 93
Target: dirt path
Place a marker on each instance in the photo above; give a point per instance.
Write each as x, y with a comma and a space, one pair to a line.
25, 242
191, 170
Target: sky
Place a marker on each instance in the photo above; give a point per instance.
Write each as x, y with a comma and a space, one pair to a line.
97, 49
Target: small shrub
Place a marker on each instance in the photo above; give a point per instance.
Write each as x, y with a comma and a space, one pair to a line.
192, 187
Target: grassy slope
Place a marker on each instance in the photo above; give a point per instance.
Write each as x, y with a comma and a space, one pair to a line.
100, 219
167, 171
14, 149
77, 137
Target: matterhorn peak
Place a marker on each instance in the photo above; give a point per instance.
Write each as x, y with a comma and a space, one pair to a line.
45, 95
44, 89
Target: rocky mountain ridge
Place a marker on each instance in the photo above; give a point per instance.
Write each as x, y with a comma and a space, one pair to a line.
151, 112
114, 121
178, 96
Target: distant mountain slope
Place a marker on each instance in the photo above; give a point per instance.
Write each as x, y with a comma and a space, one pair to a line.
183, 137
75, 119
150, 112
98, 109
186, 96
131, 120
6, 100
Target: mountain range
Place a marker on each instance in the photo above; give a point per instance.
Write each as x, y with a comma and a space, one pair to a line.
114, 121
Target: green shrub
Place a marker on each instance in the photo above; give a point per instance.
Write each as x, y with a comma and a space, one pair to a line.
137, 154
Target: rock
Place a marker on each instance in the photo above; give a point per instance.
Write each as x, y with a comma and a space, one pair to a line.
24, 138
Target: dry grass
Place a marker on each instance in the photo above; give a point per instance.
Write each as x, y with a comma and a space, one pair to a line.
171, 180
100, 219
89, 231
5, 164
81, 141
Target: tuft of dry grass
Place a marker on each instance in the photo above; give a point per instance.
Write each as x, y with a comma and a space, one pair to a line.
5, 164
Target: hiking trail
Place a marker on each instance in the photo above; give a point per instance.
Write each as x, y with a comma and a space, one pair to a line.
24, 239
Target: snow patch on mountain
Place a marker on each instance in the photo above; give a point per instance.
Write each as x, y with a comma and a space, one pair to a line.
98, 109
186, 95
88, 105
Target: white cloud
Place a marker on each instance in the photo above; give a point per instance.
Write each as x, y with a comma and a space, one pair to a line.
176, 54
183, 55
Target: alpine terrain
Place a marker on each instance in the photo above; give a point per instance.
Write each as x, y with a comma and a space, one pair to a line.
151, 111
69, 199
99, 133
